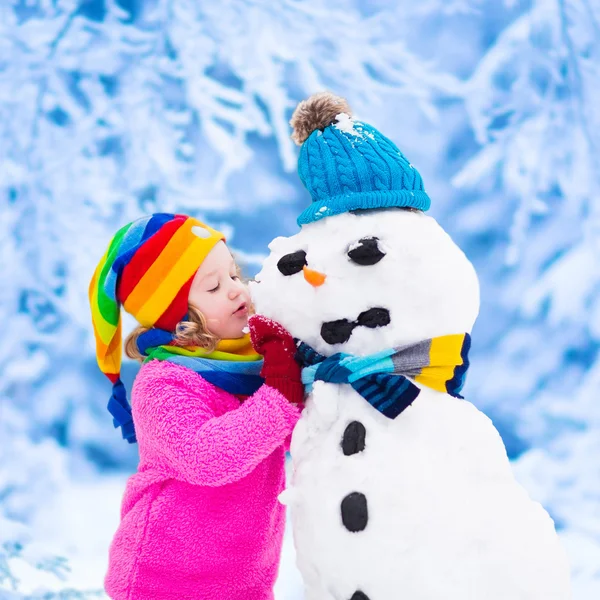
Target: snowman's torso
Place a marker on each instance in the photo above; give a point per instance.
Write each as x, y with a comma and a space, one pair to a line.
422, 507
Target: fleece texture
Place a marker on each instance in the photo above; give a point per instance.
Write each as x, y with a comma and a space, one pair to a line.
200, 519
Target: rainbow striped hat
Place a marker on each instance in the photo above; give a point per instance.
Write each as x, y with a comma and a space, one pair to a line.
148, 269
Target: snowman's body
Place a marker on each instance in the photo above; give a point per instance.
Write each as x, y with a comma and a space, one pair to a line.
423, 506
445, 518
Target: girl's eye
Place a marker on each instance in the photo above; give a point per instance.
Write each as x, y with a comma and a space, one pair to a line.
366, 251
214, 289
290, 264
234, 276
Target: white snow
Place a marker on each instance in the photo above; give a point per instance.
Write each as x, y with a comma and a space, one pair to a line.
354, 245
345, 123
352, 127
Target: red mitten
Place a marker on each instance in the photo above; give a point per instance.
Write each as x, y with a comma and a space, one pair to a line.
277, 346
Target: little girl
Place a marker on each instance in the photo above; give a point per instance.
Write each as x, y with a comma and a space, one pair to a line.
200, 519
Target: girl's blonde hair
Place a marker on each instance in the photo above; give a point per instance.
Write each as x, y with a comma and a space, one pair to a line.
192, 332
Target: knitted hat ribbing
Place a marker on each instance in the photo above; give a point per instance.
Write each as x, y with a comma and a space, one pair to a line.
348, 165
148, 269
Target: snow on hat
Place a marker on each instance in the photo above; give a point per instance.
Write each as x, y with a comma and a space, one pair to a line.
148, 269
348, 165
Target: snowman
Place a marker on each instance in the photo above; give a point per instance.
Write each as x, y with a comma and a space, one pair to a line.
401, 489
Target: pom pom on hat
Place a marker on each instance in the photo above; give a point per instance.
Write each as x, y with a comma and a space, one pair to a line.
317, 112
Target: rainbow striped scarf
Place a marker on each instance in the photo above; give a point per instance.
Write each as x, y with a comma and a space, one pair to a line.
233, 366
439, 363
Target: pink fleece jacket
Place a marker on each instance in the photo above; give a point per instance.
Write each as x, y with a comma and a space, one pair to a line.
200, 519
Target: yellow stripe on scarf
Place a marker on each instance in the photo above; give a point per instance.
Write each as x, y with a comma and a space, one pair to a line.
238, 349
444, 355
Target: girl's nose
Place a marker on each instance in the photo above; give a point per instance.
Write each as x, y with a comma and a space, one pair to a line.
235, 292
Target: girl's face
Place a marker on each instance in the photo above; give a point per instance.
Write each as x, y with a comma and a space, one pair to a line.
218, 293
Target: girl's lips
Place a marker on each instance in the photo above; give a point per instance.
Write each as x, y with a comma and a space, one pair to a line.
242, 310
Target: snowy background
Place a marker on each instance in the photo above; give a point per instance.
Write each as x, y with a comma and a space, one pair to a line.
111, 109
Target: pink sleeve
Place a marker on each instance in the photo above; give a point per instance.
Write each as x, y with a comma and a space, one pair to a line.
173, 417
288, 439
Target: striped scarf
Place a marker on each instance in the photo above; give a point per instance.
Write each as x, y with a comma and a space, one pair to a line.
383, 379
233, 366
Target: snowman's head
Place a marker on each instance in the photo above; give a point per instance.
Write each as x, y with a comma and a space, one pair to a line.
360, 283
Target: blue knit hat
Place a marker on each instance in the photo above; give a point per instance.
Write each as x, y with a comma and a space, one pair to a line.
348, 165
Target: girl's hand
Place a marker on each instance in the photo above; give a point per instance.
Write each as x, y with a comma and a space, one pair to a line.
277, 346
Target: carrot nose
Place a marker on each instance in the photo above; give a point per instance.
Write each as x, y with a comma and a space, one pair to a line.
314, 277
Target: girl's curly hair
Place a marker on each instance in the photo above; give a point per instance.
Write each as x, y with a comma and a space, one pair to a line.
192, 332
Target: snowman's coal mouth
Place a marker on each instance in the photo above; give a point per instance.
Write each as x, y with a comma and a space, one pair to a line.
339, 332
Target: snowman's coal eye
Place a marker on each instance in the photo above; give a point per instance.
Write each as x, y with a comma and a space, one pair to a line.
366, 251
290, 264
